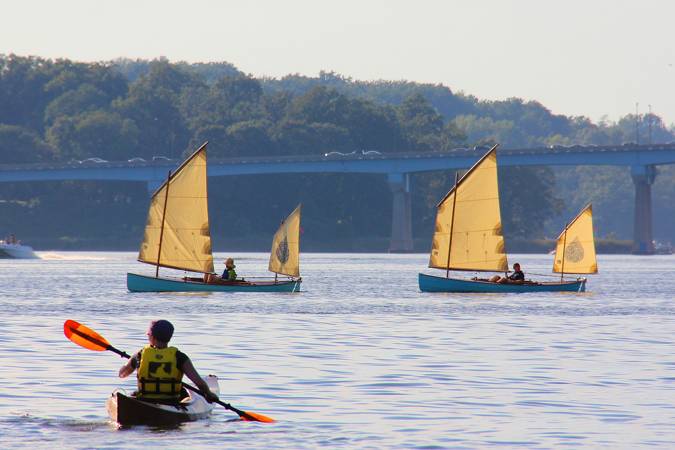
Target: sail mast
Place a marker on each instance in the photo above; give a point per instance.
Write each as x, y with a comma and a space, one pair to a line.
161, 232
562, 268
452, 222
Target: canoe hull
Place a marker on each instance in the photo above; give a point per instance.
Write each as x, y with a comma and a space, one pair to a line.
142, 283
126, 410
430, 283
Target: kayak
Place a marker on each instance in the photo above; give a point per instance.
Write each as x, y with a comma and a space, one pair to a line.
127, 410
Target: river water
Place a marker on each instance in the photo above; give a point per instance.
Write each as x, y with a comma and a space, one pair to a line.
359, 359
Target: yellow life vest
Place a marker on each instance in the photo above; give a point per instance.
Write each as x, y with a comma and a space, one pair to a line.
159, 376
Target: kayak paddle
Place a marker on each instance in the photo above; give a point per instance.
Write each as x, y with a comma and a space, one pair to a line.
89, 339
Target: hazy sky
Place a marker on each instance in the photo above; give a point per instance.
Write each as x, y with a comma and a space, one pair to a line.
590, 57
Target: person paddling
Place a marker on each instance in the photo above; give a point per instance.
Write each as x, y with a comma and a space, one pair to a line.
161, 368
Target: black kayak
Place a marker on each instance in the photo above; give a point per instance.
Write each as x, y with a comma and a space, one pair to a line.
127, 410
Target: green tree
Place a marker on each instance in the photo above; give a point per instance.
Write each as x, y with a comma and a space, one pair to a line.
152, 104
20, 145
424, 127
99, 133
294, 137
80, 100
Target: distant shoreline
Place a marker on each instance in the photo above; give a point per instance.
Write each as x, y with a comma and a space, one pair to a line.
364, 245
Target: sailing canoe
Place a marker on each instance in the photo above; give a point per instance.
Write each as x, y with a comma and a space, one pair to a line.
430, 283
468, 236
177, 236
126, 410
143, 283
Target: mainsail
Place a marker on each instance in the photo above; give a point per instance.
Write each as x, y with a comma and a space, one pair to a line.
468, 232
575, 250
285, 254
177, 229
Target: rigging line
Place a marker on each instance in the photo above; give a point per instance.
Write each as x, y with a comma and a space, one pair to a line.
542, 274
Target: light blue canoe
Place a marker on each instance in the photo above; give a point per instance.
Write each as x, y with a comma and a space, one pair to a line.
142, 283
430, 283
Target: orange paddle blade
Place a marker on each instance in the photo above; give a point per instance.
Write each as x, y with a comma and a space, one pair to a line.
255, 417
84, 337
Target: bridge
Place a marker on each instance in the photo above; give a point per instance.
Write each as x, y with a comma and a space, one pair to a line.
642, 160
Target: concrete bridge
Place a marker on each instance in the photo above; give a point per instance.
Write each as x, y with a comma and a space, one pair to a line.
642, 160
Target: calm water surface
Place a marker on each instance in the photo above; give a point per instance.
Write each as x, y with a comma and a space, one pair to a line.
359, 359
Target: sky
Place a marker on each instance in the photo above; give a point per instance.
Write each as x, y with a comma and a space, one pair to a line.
593, 58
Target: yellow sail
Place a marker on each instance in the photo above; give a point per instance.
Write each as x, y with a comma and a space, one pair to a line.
468, 232
285, 254
575, 250
177, 230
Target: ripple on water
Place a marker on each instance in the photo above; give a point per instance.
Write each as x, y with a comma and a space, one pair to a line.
369, 363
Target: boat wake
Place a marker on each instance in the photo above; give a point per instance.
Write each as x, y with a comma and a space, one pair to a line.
61, 257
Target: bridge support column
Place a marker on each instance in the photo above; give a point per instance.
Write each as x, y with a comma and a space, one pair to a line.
643, 178
401, 213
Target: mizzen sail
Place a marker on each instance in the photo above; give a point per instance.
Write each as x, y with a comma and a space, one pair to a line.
468, 231
177, 229
285, 254
575, 249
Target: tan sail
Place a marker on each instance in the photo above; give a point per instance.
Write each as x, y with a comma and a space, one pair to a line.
470, 216
285, 254
181, 221
575, 250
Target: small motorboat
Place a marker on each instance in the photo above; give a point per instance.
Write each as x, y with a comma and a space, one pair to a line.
10, 248
126, 410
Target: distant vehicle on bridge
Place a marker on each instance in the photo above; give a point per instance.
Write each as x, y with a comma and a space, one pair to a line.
334, 154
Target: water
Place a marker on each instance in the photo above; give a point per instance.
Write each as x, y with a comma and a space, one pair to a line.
360, 359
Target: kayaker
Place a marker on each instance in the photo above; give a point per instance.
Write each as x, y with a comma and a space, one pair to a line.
229, 274
161, 368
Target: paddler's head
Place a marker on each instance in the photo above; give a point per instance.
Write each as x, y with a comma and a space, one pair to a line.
229, 263
160, 332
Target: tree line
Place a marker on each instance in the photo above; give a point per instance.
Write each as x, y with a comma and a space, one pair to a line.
61, 110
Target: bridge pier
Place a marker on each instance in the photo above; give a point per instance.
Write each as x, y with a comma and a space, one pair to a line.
643, 178
401, 213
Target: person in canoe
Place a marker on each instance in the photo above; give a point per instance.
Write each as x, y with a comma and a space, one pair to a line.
517, 277
160, 368
229, 274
